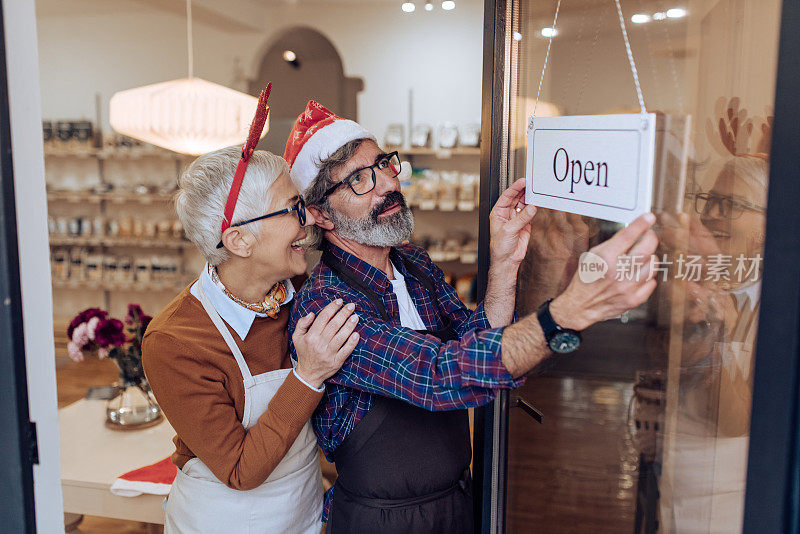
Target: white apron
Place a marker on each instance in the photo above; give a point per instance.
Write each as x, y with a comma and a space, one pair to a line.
289, 501
705, 492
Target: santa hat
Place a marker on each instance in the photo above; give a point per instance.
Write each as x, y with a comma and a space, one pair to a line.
316, 135
155, 479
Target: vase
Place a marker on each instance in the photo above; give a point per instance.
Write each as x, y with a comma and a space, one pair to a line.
134, 406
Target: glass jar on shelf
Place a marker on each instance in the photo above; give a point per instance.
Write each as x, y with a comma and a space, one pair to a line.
449, 182
395, 136
428, 190
469, 185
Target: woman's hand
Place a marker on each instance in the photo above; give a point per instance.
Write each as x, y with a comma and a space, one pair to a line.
323, 344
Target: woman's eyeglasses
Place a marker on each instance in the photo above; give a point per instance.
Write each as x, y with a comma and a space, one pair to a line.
727, 207
362, 180
299, 208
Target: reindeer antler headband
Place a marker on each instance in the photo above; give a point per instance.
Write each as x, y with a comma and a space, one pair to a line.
256, 127
733, 131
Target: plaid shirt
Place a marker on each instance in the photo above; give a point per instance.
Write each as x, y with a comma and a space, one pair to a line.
398, 362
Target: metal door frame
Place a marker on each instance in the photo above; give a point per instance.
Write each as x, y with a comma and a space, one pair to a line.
772, 498
490, 434
772, 503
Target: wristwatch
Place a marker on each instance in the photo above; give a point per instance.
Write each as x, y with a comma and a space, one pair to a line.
561, 340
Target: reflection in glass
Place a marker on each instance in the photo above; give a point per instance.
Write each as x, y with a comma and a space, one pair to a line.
646, 426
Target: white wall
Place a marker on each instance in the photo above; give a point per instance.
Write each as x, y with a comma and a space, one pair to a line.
88, 53
437, 54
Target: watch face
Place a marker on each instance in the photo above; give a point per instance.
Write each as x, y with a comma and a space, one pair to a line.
564, 341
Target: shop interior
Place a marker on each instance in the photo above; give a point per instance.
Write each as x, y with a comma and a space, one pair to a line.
115, 239
411, 72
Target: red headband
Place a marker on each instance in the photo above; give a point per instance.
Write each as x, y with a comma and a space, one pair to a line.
257, 126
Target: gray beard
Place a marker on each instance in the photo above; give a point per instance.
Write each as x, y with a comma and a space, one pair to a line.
386, 232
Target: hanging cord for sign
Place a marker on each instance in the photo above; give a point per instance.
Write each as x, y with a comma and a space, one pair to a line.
630, 58
627, 48
546, 56
189, 37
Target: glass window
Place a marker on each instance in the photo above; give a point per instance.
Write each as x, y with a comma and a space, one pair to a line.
646, 426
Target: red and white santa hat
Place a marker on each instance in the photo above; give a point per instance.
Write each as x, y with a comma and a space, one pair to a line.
316, 135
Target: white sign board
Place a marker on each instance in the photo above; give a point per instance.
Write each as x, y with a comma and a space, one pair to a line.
595, 165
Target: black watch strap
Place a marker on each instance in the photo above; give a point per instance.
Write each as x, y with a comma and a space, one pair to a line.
559, 339
549, 325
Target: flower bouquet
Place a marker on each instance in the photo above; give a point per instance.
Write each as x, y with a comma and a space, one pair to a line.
93, 332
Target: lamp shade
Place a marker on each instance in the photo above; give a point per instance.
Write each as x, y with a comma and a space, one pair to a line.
190, 115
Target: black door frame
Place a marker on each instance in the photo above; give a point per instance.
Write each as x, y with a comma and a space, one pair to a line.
772, 503
18, 456
490, 434
773, 480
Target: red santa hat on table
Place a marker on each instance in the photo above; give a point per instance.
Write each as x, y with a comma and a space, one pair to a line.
316, 135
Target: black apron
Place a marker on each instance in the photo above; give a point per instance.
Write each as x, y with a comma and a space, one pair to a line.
402, 469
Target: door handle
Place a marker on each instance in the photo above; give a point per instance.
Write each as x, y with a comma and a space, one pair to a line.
518, 402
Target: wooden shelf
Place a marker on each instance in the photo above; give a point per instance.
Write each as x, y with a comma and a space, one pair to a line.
441, 153
112, 197
112, 153
440, 205
462, 256
117, 242
105, 285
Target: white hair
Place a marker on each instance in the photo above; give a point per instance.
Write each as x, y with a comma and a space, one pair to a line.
203, 190
751, 169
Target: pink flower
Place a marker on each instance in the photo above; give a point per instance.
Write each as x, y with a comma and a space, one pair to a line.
80, 336
103, 353
74, 352
84, 316
91, 327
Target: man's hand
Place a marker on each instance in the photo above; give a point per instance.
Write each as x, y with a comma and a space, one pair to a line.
510, 226
510, 231
585, 303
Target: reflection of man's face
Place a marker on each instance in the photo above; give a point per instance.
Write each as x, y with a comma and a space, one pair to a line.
379, 218
740, 230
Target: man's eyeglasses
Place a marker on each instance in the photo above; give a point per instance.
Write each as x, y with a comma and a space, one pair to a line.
362, 181
728, 207
299, 208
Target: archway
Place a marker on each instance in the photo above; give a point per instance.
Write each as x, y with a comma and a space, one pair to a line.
317, 73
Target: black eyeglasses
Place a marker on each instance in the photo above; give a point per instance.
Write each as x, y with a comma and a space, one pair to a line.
362, 181
299, 208
728, 207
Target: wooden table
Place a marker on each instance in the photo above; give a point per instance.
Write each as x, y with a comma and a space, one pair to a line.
93, 456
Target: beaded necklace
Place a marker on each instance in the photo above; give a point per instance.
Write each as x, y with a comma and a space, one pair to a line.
271, 304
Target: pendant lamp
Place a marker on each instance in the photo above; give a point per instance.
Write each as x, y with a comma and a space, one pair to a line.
189, 115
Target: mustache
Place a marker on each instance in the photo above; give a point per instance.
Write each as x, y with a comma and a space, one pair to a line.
394, 197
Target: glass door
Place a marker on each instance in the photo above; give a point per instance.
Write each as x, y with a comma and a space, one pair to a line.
646, 427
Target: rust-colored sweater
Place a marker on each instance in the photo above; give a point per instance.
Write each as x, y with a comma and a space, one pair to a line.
199, 387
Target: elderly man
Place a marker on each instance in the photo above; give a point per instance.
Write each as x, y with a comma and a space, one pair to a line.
393, 418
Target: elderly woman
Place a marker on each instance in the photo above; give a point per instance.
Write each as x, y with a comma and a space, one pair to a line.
217, 357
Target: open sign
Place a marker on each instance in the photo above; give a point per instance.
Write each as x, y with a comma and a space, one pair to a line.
595, 165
